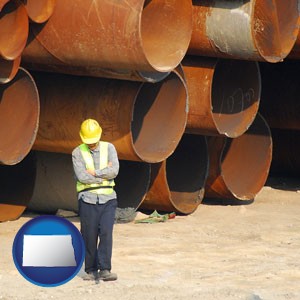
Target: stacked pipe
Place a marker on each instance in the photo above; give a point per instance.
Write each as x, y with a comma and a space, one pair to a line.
128, 110
15, 17
19, 102
135, 40
252, 31
175, 85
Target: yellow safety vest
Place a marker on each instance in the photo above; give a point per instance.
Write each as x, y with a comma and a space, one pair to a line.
106, 186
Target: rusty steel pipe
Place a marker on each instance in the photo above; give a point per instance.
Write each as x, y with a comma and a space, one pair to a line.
239, 167
16, 188
14, 26
177, 184
144, 121
52, 193
280, 94
286, 160
39, 11
147, 36
9, 69
249, 30
19, 117
224, 95
46, 62
2, 3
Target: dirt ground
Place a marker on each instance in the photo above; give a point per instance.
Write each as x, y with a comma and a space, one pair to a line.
221, 251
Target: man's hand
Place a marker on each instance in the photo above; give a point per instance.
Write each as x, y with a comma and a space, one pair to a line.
91, 172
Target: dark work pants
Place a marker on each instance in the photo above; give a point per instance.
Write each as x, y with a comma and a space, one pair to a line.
97, 222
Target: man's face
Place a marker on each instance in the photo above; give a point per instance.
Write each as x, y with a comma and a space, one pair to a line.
92, 146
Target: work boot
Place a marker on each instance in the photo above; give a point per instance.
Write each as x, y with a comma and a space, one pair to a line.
91, 276
106, 275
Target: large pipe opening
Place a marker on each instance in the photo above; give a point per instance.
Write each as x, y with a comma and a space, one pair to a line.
14, 27
224, 95
166, 31
275, 27
177, 184
159, 118
239, 167
192, 162
235, 96
19, 117
248, 30
131, 114
39, 11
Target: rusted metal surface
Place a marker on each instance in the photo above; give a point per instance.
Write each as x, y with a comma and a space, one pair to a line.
2, 3
239, 167
147, 36
16, 188
224, 95
19, 117
52, 193
286, 159
9, 69
44, 61
281, 94
14, 25
249, 30
39, 11
177, 184
144, 121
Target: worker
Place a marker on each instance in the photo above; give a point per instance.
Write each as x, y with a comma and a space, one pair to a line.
95, 166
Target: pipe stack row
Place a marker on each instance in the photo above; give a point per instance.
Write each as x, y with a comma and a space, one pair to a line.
19, 102
19, 99
176, 87
15, 19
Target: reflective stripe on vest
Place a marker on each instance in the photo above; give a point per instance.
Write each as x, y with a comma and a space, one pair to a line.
89, 163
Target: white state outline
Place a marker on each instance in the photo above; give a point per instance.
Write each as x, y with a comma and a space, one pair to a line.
48, 251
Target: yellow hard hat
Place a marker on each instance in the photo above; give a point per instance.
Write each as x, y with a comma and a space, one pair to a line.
90, 131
